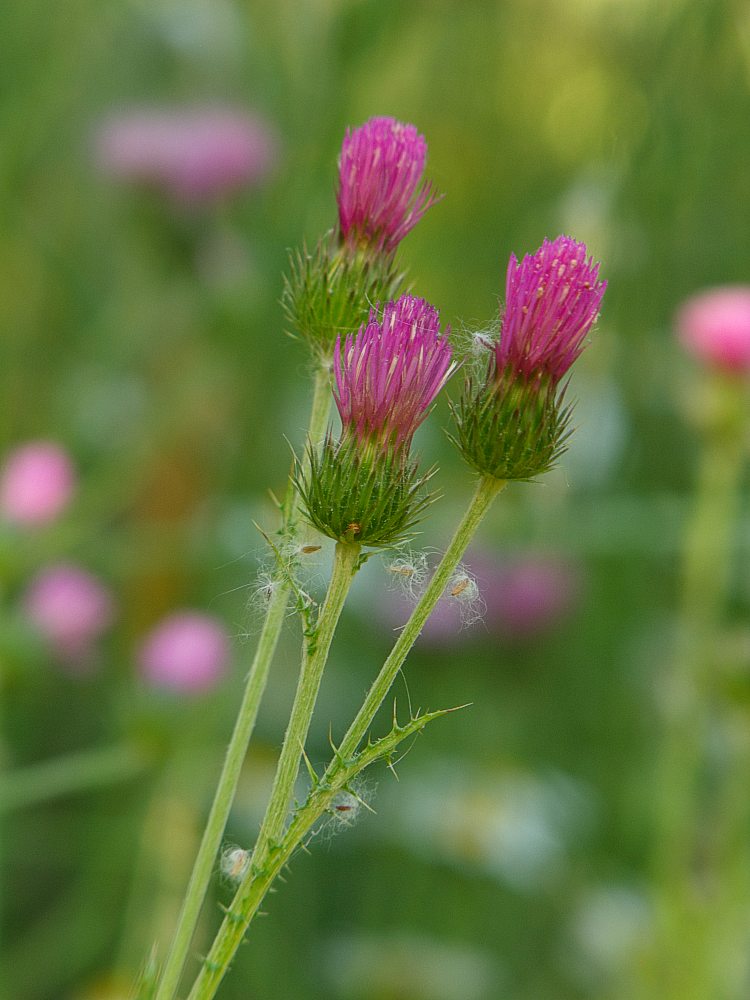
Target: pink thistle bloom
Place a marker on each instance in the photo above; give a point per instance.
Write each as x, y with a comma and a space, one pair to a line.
187, 652
389, 373
71, 609
715, 327
552, 300
37, 482
196, 154
531, 594
381, 194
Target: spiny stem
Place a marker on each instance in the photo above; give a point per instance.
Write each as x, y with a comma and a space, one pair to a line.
277, 850
486, 491
315, 655
243, 729
313, 662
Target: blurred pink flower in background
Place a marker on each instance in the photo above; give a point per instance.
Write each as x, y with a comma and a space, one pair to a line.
37, 482
187, 652
194, 154
715, 326
516, 598
70, 609
529, 595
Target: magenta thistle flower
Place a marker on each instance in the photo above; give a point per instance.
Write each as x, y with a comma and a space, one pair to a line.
715, 327
515, 425
364, 488
552, 300
389, 373
381, 194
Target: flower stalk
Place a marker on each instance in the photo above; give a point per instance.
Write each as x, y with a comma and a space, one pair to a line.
272, 850
486, 491
316, 647
685, 965
243, 729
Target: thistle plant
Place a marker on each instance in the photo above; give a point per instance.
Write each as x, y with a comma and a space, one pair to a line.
326, 291
365, 491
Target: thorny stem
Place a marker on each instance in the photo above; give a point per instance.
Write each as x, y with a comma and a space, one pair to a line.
315, 655
275, 853
486, 491
243, 728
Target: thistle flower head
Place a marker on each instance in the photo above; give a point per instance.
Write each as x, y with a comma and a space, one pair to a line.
552, 300
381, 195
364, 487
389, 373
515, 425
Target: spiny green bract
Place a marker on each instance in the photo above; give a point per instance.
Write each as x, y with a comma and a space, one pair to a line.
511, 428
331, 291
352, 496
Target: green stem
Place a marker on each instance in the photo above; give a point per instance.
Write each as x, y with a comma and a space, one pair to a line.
318, 802
682, 962
315, 655
275, 853
243, 728
69, 775
486, 491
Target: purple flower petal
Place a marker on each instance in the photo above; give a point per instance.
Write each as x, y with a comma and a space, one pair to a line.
552, 300
381, 194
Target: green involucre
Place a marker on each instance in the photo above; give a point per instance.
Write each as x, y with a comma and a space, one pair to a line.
352, 494
511, 428
331, 291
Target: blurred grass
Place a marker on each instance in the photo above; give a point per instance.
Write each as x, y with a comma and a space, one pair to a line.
173, 385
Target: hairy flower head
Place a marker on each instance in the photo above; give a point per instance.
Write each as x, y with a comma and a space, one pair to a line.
364, 487
381, 194
389, 373
552, 300
515, 424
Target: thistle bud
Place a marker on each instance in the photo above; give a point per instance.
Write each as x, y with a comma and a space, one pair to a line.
328, 291
364, 487
515, 424
381, 196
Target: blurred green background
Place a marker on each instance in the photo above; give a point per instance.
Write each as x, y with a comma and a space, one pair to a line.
147, 339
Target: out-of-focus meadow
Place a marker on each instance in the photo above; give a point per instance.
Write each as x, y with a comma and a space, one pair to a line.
142, 332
